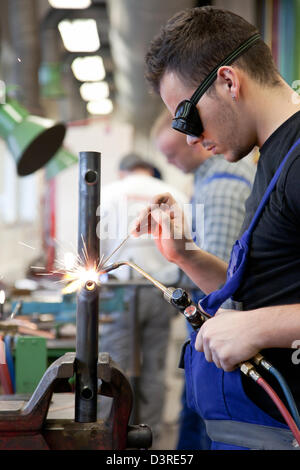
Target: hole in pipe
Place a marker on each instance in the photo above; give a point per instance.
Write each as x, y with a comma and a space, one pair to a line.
91, 177
86, 393
90, 285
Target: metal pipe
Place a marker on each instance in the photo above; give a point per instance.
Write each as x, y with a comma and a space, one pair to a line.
86, 354
87, 316
135, 355
89, 201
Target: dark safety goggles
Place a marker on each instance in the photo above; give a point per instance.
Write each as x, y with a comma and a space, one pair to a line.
187, 119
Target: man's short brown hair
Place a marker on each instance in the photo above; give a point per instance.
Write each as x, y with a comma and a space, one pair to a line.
196, 40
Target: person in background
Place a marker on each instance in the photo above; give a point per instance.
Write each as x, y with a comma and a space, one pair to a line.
220, 191
121, 202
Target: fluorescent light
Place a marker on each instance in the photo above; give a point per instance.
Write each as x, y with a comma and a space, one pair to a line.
79, 35
104, 106
91, 91
88, 69
70, 3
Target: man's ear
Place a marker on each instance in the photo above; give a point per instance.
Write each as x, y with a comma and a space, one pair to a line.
230, 79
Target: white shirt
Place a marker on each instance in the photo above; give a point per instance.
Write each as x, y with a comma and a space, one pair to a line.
121, 203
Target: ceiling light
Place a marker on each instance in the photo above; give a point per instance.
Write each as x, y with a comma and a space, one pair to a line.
74, 4
88, 69
104, 106
91, 91
79, 35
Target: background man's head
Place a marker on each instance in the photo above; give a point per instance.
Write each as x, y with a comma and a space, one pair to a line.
173, 145
187, 49
133, 163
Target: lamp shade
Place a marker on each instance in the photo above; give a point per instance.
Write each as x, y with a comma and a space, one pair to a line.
61, 160
32, 140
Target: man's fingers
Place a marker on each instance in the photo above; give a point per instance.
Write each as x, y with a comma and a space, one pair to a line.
221, 310
163, 202
163, 224
142, 223
199, 342
165, 198
216, 360
202, 345
207, 351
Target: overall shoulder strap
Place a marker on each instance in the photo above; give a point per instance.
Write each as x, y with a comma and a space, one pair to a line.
267, 193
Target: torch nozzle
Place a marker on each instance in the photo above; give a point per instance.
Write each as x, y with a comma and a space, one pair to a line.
90, 285
110, 267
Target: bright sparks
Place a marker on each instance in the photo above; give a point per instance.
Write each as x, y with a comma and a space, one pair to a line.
73, 269
79, 277
77, 271
26, 245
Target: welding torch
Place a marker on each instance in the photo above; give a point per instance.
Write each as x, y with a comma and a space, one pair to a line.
177, 297
181, 300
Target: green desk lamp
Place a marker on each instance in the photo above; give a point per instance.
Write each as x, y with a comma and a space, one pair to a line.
32, 140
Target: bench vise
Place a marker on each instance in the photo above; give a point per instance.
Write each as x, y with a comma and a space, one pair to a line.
24, 425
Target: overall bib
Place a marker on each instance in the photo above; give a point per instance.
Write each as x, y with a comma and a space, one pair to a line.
232, 420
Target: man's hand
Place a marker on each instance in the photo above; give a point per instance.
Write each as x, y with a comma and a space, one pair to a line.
165, 220
229, 338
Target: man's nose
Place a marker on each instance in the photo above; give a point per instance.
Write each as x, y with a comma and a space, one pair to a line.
192, 140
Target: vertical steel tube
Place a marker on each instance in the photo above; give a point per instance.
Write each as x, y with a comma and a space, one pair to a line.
89, 200
87, 317
135, 357
86, 355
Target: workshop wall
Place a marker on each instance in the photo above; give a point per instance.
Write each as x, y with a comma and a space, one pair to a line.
20, 225
245, 9
16, 257
279, 22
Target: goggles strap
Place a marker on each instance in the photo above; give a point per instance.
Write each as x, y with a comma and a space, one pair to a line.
211, 77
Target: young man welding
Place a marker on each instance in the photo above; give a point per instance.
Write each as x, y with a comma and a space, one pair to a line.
218, 79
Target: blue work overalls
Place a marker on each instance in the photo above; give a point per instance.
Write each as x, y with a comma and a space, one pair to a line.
232, 420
